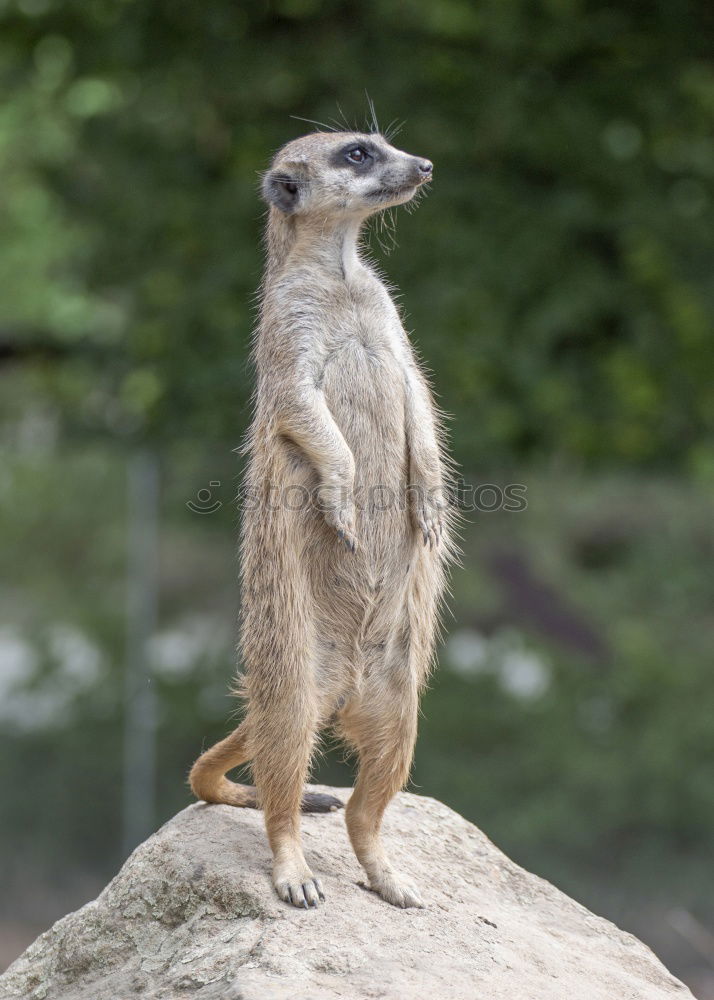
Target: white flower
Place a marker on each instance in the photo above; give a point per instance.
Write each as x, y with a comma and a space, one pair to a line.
467, 652
524, 674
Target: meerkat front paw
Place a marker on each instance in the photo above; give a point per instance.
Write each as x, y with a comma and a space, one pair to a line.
336, 502
342, 519
429, 510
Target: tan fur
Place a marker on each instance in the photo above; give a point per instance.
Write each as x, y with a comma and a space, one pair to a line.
339, 597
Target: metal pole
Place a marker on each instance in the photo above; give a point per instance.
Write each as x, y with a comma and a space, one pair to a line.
141, 605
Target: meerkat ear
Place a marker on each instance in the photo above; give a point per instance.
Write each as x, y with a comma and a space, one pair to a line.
285, 187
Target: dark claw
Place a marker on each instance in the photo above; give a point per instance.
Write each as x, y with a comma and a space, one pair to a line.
304, 889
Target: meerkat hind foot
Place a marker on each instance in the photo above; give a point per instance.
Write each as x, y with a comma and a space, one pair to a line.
302, 890
397, 890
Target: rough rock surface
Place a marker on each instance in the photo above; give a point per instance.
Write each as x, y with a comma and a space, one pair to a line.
192, 914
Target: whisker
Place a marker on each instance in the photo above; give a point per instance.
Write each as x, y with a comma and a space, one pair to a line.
373, 124
345, 125
393, 129
311, 121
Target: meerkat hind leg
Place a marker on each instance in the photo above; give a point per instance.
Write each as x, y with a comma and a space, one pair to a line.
383, 728
280, 765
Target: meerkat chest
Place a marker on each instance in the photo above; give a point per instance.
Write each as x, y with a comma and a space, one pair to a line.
363, 378
367, 322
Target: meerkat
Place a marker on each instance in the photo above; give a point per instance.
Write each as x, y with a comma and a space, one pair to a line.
346, 531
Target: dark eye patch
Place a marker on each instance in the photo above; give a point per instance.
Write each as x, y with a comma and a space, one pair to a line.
339, 157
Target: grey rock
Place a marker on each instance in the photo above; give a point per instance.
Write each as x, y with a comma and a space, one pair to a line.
192, 914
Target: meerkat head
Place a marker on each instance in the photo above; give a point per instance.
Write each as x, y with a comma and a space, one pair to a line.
343, 174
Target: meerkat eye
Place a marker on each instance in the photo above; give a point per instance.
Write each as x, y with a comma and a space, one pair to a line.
357, 155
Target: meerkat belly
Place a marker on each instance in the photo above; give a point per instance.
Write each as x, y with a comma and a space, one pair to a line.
363, 386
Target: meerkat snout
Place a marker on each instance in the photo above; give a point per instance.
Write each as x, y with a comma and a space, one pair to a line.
421, 171
426, 169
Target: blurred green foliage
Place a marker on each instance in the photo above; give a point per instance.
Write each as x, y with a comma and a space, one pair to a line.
558, 279
558, 276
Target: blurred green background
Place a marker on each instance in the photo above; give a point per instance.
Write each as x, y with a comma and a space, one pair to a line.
559, 282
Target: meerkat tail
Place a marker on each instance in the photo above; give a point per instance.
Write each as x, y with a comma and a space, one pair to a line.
209, 783
207, 778
319, 802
